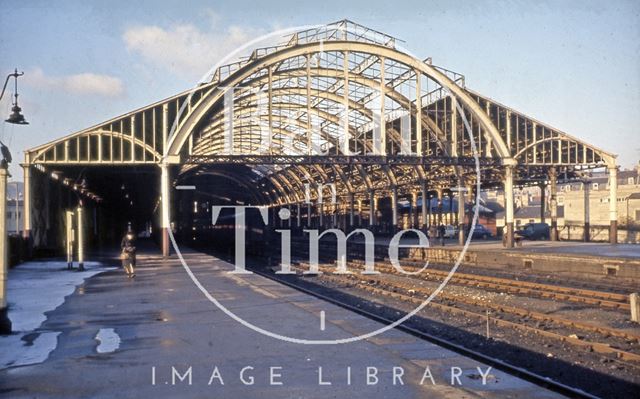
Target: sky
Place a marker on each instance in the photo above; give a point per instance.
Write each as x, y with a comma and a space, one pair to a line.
572, 64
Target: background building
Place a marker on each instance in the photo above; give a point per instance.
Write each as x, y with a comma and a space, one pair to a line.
14, 207
580, 202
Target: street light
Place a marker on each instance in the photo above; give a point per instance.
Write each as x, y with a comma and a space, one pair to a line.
15, 117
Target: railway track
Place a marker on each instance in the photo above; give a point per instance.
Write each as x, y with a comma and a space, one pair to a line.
412, 293
520, 372
602, 299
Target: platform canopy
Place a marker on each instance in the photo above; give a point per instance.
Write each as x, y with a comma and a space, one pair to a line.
338, 103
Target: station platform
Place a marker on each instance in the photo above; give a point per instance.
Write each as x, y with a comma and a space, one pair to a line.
140, 337
559, 258
630, 251
590, 260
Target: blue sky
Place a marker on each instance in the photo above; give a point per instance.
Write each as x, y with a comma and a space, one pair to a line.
572, 64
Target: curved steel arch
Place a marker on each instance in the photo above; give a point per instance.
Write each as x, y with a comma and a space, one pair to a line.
439, 135
40, 156
352, 77
206, 103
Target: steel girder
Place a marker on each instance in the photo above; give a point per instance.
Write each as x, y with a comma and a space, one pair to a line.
209, 100
362, 69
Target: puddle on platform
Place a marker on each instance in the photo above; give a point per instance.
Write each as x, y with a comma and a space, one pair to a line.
108, 339
27, 349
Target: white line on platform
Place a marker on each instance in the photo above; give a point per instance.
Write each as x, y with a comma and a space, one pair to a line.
185, 187
322, 320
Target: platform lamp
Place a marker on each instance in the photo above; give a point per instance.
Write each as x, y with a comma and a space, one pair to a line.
15, 117
18, 119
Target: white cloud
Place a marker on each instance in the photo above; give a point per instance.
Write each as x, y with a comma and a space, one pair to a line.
83, 83
91, 83
184, 49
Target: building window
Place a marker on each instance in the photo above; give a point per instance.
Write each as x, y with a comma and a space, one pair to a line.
630, 181
637, 215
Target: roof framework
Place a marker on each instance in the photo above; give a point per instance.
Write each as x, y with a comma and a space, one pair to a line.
339, 104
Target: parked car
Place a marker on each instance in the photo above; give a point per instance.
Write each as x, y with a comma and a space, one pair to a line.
481, 232
533, 231
450, 231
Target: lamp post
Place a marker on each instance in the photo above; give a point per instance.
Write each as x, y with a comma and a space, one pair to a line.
16, 118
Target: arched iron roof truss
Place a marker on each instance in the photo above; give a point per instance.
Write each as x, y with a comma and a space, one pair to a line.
319, 97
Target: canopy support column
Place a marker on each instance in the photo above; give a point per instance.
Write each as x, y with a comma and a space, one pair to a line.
425, 202
461, 206
439, 220
372, 208
394, 209
414, 210
586, 236
508, 200
26, 212
69, 238
543, 200
165, 224
553, 202
5, 323
81, 239
450, 213
335, 208
351, 209
613, 204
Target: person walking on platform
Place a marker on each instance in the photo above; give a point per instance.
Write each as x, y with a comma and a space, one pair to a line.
128, 254
433, 233
441, 232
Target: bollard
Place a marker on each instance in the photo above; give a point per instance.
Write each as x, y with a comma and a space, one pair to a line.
634, 300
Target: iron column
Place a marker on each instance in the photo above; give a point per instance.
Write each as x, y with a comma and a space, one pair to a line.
26, 212
394, 208
5, 323
508, 199
586, 236
351, 209
613, 204
543, 204
553, 202
164, 193
439, 217
372, 208
69, 230
425, 201
461, 205
414, 210
80, 238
